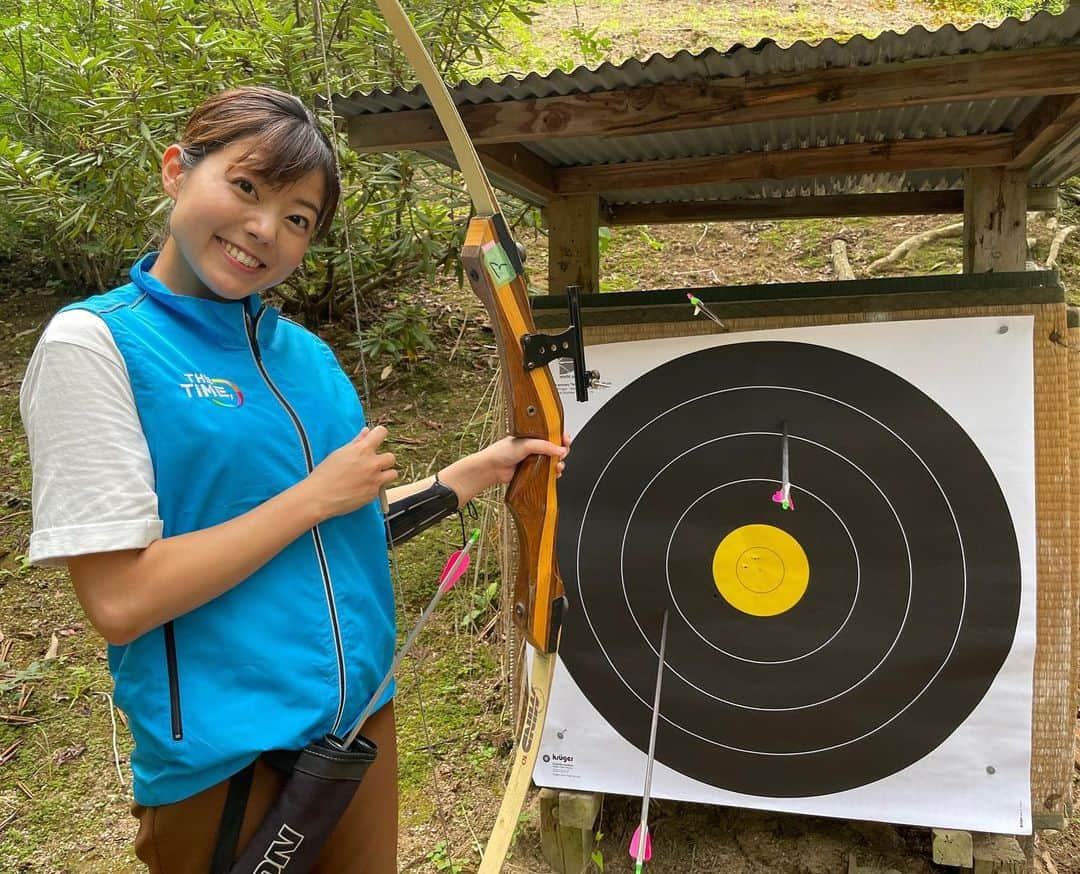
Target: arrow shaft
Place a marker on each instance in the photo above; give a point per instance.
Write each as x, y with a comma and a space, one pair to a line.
462, 557
652, 744
784, 472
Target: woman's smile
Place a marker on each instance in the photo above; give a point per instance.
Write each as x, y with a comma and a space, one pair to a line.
240, 258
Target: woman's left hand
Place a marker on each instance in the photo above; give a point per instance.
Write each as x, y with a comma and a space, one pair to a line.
505, 455
497, 463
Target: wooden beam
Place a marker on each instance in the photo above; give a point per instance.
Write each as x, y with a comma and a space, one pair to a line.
573, 243
1045, 125
735, 100
980, 150
830, 206
517, 164
995, 220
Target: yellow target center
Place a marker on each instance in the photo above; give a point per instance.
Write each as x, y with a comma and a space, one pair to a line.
761, 570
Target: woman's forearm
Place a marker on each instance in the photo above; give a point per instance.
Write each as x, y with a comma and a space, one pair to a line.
129, 592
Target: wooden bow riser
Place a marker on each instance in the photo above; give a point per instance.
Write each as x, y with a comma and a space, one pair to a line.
535, 411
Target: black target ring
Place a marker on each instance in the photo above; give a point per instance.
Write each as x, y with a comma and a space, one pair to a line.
914, 588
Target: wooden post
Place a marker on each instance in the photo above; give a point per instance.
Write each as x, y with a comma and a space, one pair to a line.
574, 243
995, 220
567, 821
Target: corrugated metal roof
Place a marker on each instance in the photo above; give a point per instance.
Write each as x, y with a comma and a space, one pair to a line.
931, 120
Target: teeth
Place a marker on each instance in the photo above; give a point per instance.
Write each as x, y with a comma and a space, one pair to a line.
241, 256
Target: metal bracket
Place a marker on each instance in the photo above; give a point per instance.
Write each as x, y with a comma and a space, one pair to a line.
541, 349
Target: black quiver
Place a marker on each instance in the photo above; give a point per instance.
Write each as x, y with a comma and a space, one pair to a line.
320, 782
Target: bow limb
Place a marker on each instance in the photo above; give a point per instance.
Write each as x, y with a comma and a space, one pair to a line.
495, 271
517, 785
496, 274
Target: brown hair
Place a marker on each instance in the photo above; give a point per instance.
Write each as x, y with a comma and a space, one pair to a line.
286, 140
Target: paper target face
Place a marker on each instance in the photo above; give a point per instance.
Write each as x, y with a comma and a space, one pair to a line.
810, 650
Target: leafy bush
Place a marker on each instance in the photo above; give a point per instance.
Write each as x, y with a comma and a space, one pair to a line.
403, 333
92, 92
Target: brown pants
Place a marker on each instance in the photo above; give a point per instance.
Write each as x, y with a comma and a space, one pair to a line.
179, 838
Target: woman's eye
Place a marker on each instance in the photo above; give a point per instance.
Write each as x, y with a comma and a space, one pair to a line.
301, 221
244, 185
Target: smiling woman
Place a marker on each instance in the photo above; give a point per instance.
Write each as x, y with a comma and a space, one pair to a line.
249, 195
227, 539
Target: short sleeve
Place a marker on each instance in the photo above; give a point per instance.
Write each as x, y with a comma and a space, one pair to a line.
93, 480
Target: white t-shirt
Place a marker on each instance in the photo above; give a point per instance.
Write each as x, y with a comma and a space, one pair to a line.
93, 486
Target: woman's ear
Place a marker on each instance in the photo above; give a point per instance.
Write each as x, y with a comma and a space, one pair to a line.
172, 169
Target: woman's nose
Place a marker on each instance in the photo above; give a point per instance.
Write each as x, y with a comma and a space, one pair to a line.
260, 227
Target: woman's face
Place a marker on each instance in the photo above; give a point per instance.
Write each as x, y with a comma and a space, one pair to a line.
231, 232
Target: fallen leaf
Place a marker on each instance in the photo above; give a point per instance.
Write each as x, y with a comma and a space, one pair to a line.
66, 754
54, 648
386, 371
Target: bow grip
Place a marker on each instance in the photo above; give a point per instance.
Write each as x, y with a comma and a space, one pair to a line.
539, 594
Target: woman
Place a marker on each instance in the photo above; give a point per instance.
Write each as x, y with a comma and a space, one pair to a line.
202, 466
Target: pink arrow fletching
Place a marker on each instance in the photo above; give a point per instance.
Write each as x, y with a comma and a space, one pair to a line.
785, 502
635, 844
448, 579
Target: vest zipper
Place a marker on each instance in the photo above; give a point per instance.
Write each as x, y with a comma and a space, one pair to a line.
252, 328
174, 682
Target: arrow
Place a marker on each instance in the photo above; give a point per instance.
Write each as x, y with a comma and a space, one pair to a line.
699, 308
456, 565
641, 842
782, 495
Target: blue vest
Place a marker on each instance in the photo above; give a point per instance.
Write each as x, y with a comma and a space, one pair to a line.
237, 405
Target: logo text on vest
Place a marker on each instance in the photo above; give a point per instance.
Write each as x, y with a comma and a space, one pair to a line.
223, 392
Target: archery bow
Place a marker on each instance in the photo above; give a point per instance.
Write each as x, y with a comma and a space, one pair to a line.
494, 267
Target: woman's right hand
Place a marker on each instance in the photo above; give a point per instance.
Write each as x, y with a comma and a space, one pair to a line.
352, 476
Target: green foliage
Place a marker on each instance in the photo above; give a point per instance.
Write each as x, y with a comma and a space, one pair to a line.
441, 859
1026, 8
593, 48
651, 241
402, 333
481, 602
79, 681
92, 92
605, 239
11, 679
998, 8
